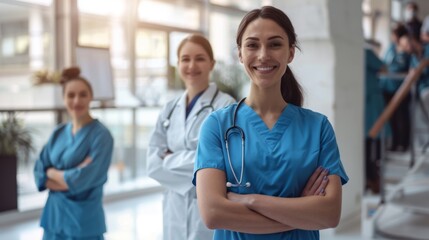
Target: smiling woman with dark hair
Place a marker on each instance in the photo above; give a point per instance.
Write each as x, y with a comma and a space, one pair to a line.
263, 165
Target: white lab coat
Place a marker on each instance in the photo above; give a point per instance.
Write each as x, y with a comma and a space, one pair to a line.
181, 216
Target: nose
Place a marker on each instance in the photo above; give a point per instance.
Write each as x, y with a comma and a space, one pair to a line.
76, 99
192, 64
263, 54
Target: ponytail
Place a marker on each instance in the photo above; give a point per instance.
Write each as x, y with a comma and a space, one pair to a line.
290, 88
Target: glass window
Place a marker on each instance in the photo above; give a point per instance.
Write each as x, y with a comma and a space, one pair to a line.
228, 72
240, 4
184, 14
151, 66
25, 37
102, 7
94, 31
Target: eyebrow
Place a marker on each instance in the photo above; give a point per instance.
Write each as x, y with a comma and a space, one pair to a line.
270, 38
198, 55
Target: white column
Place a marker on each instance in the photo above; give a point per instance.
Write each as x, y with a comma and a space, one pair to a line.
331, 71
35, 27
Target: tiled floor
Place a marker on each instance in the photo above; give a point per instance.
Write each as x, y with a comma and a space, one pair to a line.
138, 218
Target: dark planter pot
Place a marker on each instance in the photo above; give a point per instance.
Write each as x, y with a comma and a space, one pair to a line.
8, 183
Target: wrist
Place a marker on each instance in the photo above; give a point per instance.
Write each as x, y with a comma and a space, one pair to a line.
251, 200
50, 172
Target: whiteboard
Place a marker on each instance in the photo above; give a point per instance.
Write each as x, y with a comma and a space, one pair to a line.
96, 67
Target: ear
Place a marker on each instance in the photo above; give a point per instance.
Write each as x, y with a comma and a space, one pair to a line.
291, 54
213, 64
239, 55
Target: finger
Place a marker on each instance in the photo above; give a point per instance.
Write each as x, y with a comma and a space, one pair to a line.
322, 192
319, 181
313, 179
322, 186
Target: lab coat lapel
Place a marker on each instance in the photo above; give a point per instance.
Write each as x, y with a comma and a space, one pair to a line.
204, 100
176, 131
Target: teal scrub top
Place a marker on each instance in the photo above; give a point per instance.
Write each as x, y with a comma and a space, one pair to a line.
374, 102
423, 81
396, 62
277, 162
78, 212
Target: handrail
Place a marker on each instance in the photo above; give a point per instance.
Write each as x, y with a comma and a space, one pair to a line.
402, 92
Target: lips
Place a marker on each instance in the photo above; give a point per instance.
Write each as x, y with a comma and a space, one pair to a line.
264, 69
192, 74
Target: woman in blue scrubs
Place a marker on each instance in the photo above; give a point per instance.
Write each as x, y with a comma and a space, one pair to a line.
251, 187
73, 166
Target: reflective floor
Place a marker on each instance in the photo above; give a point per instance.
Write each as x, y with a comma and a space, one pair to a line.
138, 218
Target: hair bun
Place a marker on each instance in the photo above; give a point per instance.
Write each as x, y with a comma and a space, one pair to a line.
70, 73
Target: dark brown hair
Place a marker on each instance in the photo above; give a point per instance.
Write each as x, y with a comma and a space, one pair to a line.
73, 74
290, 88
197, 39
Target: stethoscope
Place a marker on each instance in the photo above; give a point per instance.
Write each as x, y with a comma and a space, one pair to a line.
166, 122
236, 129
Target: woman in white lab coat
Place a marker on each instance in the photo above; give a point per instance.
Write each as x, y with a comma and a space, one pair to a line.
171, 151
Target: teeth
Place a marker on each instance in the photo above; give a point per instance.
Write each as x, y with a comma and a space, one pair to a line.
264, 68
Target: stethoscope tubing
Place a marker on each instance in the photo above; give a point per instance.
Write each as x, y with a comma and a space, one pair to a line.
228, 132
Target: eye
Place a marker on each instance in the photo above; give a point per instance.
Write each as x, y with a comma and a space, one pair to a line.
252, 45
70, 95
275, 44
185, 60
201, 59
83, 94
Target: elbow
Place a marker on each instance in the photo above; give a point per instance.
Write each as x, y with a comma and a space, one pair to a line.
211, 217
332, 220
332, 223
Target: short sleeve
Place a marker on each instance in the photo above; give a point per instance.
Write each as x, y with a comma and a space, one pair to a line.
329, 154
209, 151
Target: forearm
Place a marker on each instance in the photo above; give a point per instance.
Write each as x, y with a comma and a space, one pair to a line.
225, 214
57, 176
311, 212
218, 212
54, 186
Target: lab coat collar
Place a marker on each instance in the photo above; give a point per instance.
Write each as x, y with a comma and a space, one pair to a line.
204, 100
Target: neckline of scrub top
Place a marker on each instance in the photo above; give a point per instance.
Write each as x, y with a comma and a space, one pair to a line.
81, 131
273, 135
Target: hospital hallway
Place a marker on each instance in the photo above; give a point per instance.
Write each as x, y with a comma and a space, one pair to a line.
137, 218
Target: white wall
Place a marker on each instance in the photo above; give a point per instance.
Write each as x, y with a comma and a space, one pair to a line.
330, 68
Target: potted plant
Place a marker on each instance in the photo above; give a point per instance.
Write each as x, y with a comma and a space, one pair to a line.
14, 139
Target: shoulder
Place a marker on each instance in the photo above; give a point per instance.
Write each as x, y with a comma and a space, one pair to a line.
221, 116
59, 131
307, 115
99, 130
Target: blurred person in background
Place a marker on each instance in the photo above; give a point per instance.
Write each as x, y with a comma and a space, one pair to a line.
172, 146
73, 166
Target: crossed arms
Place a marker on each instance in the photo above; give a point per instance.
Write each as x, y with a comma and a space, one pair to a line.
319, 206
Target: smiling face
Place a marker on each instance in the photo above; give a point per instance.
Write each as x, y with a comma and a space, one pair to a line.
77, 97
194, 65
265, 52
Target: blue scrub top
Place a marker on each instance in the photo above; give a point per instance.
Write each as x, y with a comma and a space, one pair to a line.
374, 102
423, 81
278, 162
396, 62
77, 212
